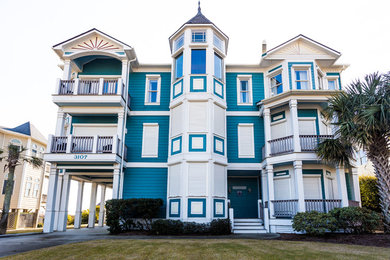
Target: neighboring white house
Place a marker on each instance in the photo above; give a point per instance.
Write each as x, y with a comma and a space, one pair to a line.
213, 140
28, 196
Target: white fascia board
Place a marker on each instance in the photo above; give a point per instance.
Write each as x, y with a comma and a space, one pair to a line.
146, 165
244, 166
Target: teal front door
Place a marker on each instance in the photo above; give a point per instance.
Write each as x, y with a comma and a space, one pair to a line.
243, 194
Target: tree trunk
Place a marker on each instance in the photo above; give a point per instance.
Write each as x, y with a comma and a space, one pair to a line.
7, 201
379, 155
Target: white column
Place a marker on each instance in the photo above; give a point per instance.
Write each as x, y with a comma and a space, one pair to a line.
58, 200
51, 199
79, 204
342, 186
92, 206
295, 124
60, 123
119, 129
356, 186
63, 214
67, 70
271, 192
267, 131
115, 184
299, 189
102, 203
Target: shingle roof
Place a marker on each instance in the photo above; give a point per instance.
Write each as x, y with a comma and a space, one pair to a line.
199, 18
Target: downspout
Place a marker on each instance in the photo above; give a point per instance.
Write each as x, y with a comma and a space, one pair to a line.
120, 195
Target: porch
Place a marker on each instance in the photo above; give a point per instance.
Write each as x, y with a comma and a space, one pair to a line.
284, 145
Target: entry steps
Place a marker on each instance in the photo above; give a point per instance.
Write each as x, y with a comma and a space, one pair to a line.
248, 226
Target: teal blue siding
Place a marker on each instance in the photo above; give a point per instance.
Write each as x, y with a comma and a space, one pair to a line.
290, 64
232, 138
134, 134
231, 91
310, 113
335, 74
146, 183
137, 84
94, 119
102, 66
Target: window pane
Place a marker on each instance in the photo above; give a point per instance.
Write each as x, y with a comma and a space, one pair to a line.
244, 97
332, 84
152, 97
153, 85
179, 66
198, 36
218, 42
244, 85
280, 89
198, 61
217, 66
301, 75
179, 42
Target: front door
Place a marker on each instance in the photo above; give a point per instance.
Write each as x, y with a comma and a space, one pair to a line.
243, 194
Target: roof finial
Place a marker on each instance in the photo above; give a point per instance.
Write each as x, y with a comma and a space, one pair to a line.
199, 7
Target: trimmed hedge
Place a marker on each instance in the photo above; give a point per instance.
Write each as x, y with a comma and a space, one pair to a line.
369, 193
177, 227
349, 219
124, 215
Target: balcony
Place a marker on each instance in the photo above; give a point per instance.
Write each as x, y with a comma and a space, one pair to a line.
84, 149
93, 92
284, 145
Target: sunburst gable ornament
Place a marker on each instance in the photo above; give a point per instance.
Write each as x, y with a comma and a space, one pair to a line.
95, 44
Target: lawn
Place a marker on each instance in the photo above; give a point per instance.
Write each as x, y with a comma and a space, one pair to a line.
205, 249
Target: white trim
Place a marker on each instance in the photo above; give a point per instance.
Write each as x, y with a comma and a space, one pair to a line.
242, 113
149, 113
146, 142
271, 75
301, 67
250, 93
99, 76
335, 79
91, 125
146, 165
150, 77
252, 152
244, 166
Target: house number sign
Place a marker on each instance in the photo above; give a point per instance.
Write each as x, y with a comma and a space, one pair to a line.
81, 156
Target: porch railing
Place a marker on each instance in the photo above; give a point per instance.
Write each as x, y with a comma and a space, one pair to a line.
353, 203
85, 144
285, 208
104, 144
322, 205
309, 143
91, 87
282, 145
82, 144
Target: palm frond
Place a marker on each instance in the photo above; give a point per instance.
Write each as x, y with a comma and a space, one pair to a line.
335, 151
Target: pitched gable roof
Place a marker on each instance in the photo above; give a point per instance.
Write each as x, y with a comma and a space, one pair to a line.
29, 130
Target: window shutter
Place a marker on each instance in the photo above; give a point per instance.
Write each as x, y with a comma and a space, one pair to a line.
150, 140
246, 141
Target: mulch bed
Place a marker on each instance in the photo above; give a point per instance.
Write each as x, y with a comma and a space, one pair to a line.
378, 239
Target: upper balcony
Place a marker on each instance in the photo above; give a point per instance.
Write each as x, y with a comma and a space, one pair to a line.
85, 149
90, 92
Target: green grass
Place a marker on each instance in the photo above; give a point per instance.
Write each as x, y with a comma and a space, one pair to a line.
205, 249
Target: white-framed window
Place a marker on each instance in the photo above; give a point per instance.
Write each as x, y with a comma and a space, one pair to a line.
302, 77
150, 140
276, 83
320, 79
28, 187
41, 152
34, 150
36, 190
244, 90
16, 142
333, 83
246, 146
152, 89
218, 42
179, 42
198, 36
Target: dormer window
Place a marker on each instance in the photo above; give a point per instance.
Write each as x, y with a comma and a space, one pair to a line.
276, 84
179, 42
198, 36
302, 78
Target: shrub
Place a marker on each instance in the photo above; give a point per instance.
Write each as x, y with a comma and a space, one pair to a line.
356, 220
123, 215
70, 220
369, 193
40, 225
193, 228
220, 227
314, 223
167, 227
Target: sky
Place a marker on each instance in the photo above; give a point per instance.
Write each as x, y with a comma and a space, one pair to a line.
28, 29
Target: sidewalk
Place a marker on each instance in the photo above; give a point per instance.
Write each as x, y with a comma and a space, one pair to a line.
18, 243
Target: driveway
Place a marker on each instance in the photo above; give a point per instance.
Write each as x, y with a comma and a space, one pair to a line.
21, 243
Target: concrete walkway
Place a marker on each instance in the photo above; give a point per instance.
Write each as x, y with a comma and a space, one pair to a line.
10, 245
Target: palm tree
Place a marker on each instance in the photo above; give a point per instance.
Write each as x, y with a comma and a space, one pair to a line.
363, 121
15, 157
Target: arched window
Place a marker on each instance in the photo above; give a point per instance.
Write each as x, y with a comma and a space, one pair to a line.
16, 142
34, 150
